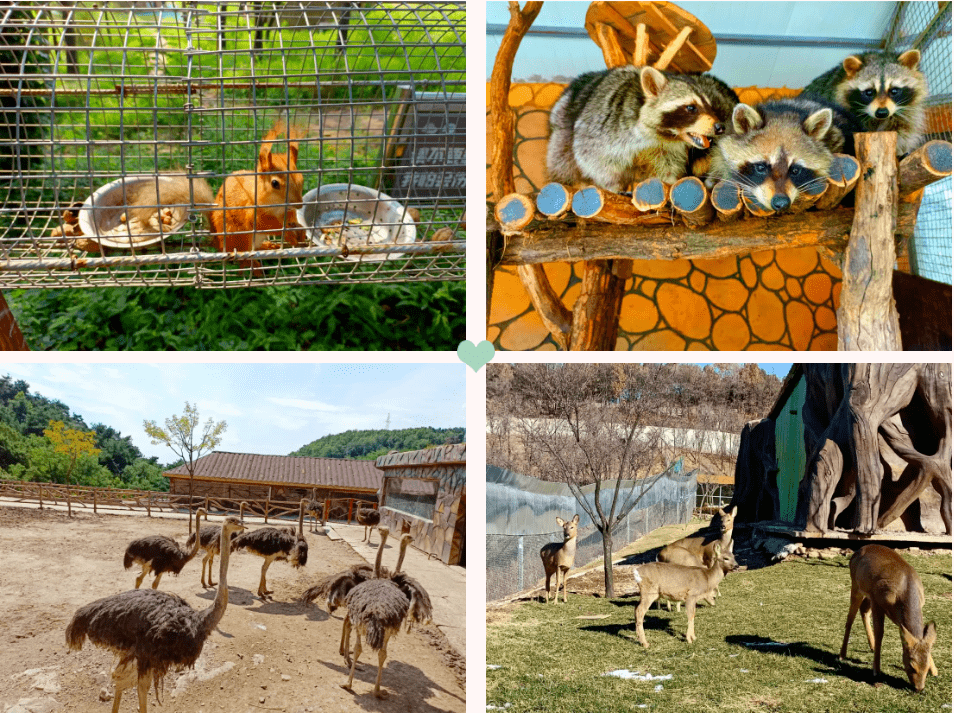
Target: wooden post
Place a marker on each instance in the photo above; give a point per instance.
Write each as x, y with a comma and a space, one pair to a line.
41, 496
94, 502
149, 505
350, 508
324, 512
268, 498
11, 338
867, 318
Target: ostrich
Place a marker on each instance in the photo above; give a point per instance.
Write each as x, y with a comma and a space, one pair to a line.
376, 609
369, 517
160, 554
209, 541
315, 509
151, 631
276, 544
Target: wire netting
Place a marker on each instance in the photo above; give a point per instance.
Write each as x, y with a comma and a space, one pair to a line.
100, 98
522, 512
926, 26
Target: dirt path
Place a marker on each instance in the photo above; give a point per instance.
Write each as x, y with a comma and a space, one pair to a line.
278, 656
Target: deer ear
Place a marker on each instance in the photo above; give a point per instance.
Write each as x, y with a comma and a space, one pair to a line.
930, 634
910, 59
576, 518
852, 65
560, 522
734, 511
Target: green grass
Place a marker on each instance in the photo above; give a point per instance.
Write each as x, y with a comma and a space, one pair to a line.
553, 661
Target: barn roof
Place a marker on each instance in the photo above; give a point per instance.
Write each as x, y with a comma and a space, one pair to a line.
284, 471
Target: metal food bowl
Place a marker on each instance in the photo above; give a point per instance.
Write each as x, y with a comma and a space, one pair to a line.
102, 216
348, 215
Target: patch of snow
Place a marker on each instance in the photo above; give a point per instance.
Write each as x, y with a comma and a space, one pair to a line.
743, 670
816, 680
637, 676
658, 687
493, 666
504, 707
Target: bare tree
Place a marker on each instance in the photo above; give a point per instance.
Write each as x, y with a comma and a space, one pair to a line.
180, 435
592, 431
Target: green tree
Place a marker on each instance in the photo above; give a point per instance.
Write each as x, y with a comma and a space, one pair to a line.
72, 443
180, 435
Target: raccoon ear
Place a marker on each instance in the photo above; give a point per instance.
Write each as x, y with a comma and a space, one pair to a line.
851, 65
745, 119
910, 59
653, 81
818, 124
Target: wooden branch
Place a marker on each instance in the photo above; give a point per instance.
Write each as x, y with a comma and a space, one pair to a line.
675, 44
726, 201
641, 52
608, 40
867, 318
809, 197
553, 313
691, 201
929, 163
514, 212
554, 200
650, 194
755, 209
546, 241
11, 338
594, 203
842, 178
501, 116
596, 310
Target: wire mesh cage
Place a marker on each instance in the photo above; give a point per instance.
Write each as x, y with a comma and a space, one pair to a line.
223, 144
927, 27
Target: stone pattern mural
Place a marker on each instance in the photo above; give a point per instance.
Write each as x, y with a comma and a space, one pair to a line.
770, 300
446, 464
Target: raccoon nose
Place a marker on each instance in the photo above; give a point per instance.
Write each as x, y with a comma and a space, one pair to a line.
719, 129
882, 113
780, 203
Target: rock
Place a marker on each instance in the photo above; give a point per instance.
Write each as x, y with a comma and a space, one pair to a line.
105, 695
257, 659
286, 677
35, 705
261, 699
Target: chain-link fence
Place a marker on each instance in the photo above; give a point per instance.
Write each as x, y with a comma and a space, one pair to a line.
522, 512
124, 123
926, 26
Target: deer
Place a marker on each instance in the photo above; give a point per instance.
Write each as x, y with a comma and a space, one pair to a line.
678, 583
883, 583
701, 544
558, 556
682, 556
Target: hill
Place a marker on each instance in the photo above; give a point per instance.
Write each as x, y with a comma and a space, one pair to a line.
367, 445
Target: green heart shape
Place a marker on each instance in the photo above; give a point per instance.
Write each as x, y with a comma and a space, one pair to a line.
475, 356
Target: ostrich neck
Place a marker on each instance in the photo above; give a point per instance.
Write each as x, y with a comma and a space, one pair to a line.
377, 560
213, 614
400, 561
301, 520
195, 545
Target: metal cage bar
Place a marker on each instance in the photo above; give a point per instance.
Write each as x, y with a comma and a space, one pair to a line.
114, 115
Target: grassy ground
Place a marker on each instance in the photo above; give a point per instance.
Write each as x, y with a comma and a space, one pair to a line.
770, 644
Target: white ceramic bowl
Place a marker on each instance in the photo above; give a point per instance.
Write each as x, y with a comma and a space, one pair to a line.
355, 215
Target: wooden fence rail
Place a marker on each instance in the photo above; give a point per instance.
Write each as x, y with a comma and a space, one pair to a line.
95, 498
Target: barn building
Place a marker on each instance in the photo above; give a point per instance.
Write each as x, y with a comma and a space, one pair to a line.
252, 477
424, 493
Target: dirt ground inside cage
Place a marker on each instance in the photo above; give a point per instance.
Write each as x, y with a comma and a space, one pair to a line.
272, 656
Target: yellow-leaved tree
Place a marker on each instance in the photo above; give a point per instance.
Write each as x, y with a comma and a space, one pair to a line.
73, 443
180, 435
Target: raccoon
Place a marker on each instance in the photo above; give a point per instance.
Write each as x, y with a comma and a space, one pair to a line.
884, 91
780, 147
622, 125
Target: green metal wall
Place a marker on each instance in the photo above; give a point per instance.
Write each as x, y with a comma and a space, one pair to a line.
790, 451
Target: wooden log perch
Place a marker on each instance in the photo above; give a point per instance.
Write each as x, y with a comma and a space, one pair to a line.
608, 40
809, 196
929, 163
554, 200
650, 194
675, 44
641, 51
552, 312
842, 178
514, 212
867, 318
752, 207
596, 310
691, 201
726, 201
595, 203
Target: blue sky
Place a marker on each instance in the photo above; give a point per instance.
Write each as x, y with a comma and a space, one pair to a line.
270, 408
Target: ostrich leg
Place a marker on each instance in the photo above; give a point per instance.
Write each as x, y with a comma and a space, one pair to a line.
382, 656
354, 662
142, 688
124, 676
145, 569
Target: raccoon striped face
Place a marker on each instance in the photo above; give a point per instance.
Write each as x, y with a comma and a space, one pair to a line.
676, 112
880, 89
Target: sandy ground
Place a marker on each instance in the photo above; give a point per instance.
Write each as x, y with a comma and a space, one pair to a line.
276, 656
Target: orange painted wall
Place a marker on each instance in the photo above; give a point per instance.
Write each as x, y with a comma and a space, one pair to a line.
778, 300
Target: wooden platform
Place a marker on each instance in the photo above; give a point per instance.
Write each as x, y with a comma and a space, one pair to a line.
843, 538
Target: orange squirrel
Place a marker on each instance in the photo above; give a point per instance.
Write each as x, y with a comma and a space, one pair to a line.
258, 207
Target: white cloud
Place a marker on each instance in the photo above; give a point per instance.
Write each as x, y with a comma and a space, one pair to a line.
305, 404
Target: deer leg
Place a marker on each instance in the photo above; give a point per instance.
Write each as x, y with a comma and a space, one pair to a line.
877, 624
932, 669
646, 600
866, 620
382, 656
546, 599
856, 599
155, 582
565, 572
691, 612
